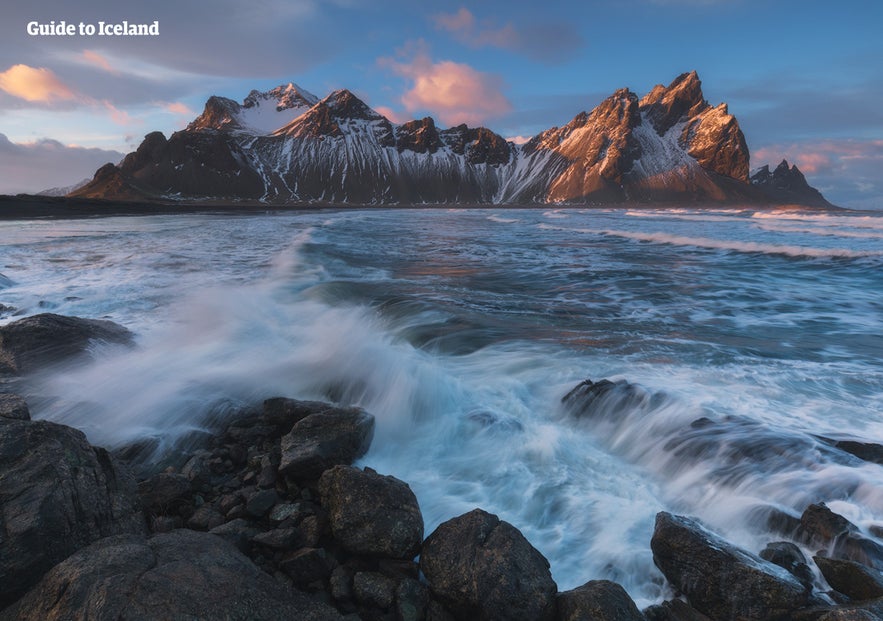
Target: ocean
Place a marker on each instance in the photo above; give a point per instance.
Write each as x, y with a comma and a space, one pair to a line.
756, 336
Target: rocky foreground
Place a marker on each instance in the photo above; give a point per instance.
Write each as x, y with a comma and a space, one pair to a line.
268, 519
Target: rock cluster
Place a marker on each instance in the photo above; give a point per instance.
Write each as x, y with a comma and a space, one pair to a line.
269, 519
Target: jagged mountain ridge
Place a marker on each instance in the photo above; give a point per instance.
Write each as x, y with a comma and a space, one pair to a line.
286, 145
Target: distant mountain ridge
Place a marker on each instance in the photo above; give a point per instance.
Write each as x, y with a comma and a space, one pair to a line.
286, 145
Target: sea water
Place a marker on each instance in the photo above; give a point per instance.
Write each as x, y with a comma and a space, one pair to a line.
754, 334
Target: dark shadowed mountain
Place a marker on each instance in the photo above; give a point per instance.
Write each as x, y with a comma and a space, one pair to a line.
286, 145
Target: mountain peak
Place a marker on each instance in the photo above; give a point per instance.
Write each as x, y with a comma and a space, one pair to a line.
285, 96
666, 106
344, 104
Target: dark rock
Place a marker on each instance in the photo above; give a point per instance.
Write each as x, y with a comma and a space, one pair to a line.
851, 614
788, 556
341, 583
840, 538
40, 340
866, 451
180, 575
307, 565
436, 611
14, 406
326, 439
483, 568
165, 523
57, 495
281, 539
786, 184
165, 493
313, 528
374, 589
227, 502
267, 478
718, 579
674, 610
600, 600
205, 518
239, 532
605, 399
370, 513
260, 502
411, 600
852, 579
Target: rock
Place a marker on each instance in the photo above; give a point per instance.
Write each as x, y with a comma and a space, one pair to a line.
14, 406
852, 579
341, 583
179, 575
604, 399
239, 532
326, 439
284, 413
165, 493
483, 568
674, 610
40, 340
788, 556
411, 600
281, 539
849, 615
840, 538
205, 518
718, 579
307, 565
600, 600
260, 502
374, 589
370, 513
57, 495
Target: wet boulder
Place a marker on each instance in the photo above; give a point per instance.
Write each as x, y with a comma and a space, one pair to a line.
165, 493
14, 406
57, 495
483, 568
370, 513
325, 439
789, 557
606, 398
854, 580
719, 579
600, 600
179, 575
823, 528
45, 339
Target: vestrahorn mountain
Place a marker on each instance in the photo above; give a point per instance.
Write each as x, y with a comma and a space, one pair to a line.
286, 145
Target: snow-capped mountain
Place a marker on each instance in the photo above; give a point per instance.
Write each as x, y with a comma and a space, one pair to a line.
285, 145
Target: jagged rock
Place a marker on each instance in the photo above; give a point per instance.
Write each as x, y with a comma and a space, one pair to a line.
14, 406
718, 579
840, 538
789, 557
57, 495
281, 539
238, 532
411, 600
852, 579
370, 513
179, 575
604, 399
260, 502
600, 600
483, 568
325, 439
40, 340
165, 493
853, 614
307, 565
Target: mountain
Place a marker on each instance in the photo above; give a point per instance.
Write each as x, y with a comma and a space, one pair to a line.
786, 184
286, 145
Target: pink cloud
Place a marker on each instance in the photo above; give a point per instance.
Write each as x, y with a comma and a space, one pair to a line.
455, 92
35, 84
176, 107
392, 115
97, 60
120, 117
518, 139
825, 156
466, 29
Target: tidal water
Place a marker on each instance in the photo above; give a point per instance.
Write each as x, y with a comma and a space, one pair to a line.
462, 330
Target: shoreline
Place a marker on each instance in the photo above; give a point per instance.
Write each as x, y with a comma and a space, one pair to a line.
33, 207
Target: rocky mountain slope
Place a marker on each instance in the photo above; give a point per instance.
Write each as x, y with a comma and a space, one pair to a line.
285, 145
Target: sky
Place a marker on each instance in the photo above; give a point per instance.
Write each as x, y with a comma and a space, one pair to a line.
803, 78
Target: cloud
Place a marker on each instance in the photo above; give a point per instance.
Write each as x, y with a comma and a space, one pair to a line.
176, 107
543, 41
36, 166
35, 84
97, 60
392, 115
519, 139
455, 92
847, 171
